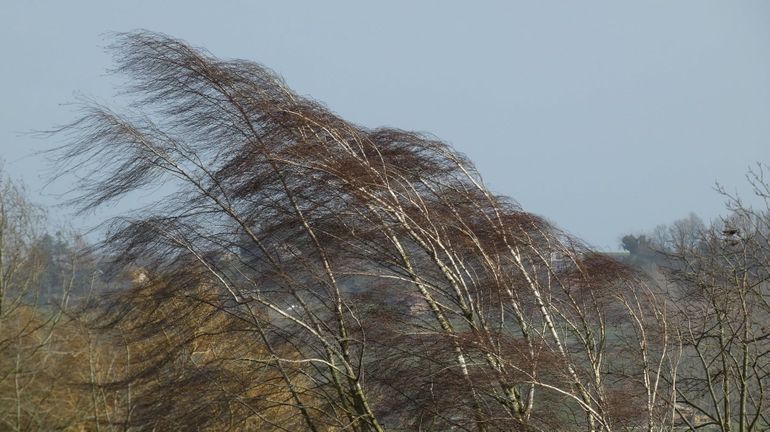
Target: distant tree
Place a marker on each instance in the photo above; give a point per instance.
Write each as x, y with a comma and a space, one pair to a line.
631, 243
44, 354
685, 232
20, 266
305, 269
647, 252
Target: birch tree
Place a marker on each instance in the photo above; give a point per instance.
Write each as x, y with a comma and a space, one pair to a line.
368, 272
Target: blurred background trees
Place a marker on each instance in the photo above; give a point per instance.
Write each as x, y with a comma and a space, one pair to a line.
47, 358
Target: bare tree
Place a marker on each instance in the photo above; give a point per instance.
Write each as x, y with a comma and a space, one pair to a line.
40, 345
719, 279
367, 275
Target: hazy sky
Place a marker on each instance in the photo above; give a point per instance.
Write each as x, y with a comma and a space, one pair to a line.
605, 117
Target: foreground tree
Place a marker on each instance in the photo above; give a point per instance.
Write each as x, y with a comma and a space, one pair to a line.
302, 268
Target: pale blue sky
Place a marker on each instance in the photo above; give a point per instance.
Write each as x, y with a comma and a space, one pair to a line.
606, 117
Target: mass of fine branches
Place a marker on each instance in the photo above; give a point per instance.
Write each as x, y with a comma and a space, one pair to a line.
295, 271
304, 272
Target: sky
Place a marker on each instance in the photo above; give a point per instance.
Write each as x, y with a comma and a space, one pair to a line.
605, 117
